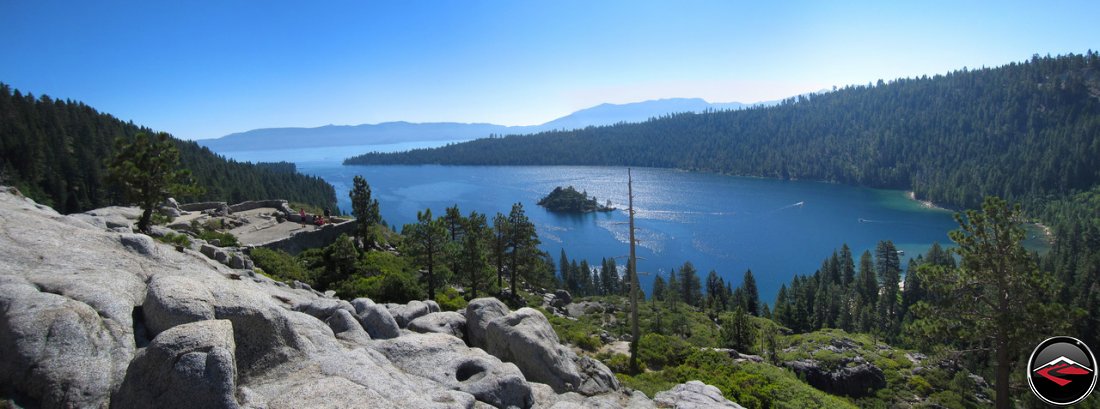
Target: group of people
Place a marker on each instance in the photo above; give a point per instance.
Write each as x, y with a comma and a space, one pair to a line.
317, 219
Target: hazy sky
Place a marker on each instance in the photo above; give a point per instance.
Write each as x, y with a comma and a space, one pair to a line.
202, 69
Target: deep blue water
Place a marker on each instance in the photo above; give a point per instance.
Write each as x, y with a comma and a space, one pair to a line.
728, 224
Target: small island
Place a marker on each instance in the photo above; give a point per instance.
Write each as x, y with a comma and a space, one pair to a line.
569, 200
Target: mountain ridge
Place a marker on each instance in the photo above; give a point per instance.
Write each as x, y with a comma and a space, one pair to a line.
404, 131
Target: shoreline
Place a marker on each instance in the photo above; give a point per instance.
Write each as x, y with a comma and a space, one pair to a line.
924, 203
1046, 232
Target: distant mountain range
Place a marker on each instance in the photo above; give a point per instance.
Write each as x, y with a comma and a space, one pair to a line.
395, 132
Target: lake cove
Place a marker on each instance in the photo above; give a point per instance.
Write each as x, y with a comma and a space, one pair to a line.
728, 224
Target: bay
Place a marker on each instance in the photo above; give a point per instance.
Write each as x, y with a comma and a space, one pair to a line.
723, 223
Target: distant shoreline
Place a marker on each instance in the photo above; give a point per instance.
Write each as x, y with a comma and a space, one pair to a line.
925, 203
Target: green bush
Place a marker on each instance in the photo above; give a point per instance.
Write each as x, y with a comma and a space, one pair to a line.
394, 287
279, 265
658, 351
381, 263
178, 240
225, 239
618, 363
748, 383
450, 300
920, 385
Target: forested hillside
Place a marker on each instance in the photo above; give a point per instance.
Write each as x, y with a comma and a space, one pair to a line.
56, 151
1023, 130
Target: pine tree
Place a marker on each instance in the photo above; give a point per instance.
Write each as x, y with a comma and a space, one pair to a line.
888, 268
148, 171
866, 293
997, 297
566, 274
690, 287
658, 289
609, 278
738, 331
365, 209
500, 244
782, 311
673, 292
475, 254
847, 266
524, 243
715, 287
752, 295
424, 241
913, 290
590, 286
340, 259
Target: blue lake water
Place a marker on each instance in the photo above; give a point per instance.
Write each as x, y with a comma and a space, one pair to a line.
728, 224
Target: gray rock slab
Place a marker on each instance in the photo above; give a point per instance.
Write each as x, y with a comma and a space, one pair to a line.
450, 323
448, 361
187, 366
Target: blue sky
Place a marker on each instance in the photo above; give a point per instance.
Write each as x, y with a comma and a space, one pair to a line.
202, 69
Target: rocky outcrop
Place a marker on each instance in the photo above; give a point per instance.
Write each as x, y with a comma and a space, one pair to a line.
404, 314
860, 380
187, 366
175, 300
693, 395
376, 319
347, 327
89, 321
447, 360
525, 337
450, 323
479, 313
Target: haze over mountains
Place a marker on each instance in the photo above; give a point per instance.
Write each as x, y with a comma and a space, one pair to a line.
395, 132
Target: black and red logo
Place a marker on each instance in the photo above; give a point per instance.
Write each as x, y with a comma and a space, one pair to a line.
1062, 371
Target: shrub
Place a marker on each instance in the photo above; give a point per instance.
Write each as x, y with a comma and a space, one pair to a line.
658, 351
394, 287
920, 385
618, 363
381, 263
225, 239
450, 300
279, 265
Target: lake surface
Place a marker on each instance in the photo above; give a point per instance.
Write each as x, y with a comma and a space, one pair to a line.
722, 223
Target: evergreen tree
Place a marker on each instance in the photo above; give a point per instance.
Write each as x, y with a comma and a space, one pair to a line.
609, 278
339, 259
673, 292
589, 287
658, 289
997, 297
148, 172
566, 274
782, 311
866, 293
475, 254
913, 290
365, 209
500, 243
575, 272
425, 241
690, 287
847, 266
738, 331
524, 242
751, 301
889, 272
715, 287
937, 256
453, 221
